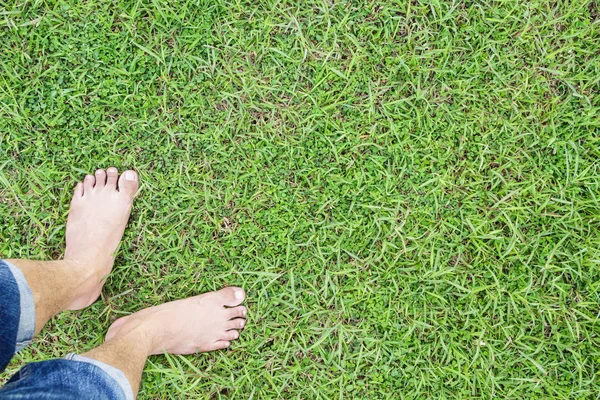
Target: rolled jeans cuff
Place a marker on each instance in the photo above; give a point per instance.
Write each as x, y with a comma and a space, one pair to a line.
116, 374
26, 327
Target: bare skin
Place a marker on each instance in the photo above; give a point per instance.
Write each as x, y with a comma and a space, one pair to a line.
97, 219
194, 325
99, 212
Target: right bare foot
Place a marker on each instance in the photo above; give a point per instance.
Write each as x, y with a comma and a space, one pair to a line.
197, 324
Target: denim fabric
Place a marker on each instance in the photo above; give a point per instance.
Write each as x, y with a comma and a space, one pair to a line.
27, 308
10, 314
113, 372
63, 380
75, 377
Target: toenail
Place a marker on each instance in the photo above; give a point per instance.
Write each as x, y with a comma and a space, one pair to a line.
242, 324
244, 313
130, 176
239, 294
111, 170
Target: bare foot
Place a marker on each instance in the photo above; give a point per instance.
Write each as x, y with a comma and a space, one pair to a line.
193, 325
99, 212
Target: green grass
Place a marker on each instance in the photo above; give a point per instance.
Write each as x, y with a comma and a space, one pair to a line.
408, 190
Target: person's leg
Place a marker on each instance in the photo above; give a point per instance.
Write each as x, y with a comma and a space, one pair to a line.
114, 369
194, 325
99, 212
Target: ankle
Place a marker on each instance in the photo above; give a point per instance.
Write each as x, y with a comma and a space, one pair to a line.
140, 333
83, 285
84, 270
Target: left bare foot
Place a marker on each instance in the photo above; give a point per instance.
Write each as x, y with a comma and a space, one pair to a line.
99, 213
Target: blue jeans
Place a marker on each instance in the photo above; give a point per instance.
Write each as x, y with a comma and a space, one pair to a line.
72, 378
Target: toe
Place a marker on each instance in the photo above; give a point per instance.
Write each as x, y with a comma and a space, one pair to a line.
231, 296
230, 335
78, 191
111, 179
237, 323
100, 178
88, 183
128, 182
237, 312
221, 344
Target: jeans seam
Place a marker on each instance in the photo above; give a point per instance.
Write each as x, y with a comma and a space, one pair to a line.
25, 372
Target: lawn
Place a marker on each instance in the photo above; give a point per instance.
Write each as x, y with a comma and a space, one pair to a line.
408, 190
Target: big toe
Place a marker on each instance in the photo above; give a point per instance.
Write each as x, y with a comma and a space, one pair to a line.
128, 182
231, 296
